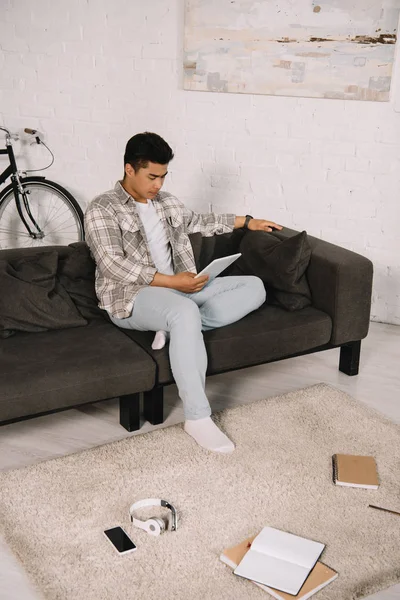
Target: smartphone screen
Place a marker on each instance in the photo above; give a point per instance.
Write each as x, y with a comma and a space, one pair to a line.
120, 540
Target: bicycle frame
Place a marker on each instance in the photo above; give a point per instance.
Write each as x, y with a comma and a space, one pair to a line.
12, 172
12, 168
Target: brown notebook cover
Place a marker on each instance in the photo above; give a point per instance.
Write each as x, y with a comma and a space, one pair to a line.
318, 578
355, 471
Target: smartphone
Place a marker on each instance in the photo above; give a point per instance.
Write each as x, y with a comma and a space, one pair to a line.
120, 540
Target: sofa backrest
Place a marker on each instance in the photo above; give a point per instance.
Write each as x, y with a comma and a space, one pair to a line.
11, 253
41, 294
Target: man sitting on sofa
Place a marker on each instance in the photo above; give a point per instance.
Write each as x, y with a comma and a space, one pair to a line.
145, 274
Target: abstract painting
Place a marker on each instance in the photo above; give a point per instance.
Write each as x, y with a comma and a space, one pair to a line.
313, 48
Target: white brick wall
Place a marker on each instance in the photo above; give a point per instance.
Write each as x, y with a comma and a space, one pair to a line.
92, 74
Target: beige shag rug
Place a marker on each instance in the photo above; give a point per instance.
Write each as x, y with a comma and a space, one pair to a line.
53, 514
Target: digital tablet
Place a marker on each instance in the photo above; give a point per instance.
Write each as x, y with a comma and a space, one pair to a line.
218, 265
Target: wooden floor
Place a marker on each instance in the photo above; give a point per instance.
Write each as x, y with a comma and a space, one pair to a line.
29, 442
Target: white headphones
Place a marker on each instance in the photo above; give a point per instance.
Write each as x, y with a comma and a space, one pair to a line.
154, 525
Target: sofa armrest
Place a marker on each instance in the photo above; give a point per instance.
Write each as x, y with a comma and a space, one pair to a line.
341, 285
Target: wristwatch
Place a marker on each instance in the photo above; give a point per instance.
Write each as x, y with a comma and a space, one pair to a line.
246, 221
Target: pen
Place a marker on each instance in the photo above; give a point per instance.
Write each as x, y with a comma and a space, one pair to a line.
385, 509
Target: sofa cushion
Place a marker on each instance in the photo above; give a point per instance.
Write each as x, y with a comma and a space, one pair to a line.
31, 297
63, 368
208, 248
76, 273
280, 264
12, 253
267, 334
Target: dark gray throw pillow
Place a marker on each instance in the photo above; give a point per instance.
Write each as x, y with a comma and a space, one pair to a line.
280, 264
76, 273
31, 298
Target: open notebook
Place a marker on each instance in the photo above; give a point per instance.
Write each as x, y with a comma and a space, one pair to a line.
320, 576
279, 560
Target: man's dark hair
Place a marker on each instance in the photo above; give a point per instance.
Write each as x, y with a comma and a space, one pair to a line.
147, 147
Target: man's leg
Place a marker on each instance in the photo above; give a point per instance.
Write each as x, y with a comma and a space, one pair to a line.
163, 309
225, 300
218, 308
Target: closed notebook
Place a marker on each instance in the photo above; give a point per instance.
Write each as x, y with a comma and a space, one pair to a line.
279, 560
320, 576
355, 471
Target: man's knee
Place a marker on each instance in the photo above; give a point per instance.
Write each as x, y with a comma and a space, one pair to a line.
185, 313
257, 288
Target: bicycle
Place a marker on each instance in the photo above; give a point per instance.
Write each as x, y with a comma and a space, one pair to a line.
35, 211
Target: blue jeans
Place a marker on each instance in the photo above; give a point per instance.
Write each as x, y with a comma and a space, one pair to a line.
222, 301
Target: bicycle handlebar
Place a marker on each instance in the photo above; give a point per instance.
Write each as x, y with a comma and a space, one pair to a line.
34, 132
15, 136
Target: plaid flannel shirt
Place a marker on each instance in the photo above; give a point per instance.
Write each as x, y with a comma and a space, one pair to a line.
116, 237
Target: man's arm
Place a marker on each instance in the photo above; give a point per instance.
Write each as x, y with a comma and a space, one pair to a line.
207, 224
103, 236
239, 222
161, 280
257, 224
213, 224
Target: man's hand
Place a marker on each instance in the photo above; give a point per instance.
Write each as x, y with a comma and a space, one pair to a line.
256, 224
186, 282
262, 225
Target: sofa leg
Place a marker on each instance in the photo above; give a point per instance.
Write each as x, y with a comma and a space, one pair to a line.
153, 405
350, 358
129, 411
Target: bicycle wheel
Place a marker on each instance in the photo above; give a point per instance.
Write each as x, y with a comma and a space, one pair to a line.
57, 213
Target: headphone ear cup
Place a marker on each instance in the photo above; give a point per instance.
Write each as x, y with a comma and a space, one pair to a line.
155, 526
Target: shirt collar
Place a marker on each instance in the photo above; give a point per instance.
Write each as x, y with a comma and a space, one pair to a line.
122, 194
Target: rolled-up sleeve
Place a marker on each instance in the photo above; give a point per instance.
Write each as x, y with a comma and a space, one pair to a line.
103, 236
208, 223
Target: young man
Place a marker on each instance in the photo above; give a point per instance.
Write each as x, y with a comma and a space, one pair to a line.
145, 274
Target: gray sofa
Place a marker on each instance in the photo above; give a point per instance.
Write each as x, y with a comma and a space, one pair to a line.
44, 371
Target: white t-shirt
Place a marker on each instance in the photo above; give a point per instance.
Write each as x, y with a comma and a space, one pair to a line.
159, 245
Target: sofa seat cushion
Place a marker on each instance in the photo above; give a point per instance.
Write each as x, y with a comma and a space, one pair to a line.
41, 372
267, 334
